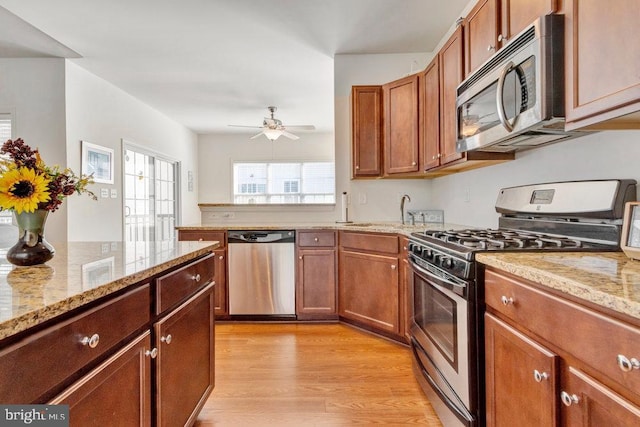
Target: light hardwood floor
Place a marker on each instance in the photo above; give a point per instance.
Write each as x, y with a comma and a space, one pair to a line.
312, 375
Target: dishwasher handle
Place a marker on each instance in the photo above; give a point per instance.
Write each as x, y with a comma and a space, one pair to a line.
260, 236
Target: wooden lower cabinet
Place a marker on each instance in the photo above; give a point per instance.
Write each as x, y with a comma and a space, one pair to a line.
516, 395
592, 404
550, 361
118, 392
369, 290
185, 361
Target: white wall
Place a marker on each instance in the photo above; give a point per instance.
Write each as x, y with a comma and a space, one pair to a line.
604, 155
101, 113
33, 91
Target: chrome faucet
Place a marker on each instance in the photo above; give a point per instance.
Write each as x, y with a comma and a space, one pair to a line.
402, 200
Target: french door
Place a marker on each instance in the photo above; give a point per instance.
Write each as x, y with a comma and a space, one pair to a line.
151, 185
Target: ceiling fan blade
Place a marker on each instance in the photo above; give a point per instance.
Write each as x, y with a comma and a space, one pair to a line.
255, 136
289, 135
301, 127
243, 126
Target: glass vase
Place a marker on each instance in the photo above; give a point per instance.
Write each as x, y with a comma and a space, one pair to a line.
32, 248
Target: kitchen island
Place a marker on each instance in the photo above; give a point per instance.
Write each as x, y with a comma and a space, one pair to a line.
111, 316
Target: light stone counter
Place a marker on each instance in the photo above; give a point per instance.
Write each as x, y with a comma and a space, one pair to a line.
82, 272
606, 279
372, 226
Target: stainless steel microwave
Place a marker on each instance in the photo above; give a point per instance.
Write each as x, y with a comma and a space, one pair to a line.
515, 100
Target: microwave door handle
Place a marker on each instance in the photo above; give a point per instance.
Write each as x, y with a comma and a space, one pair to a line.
499, 92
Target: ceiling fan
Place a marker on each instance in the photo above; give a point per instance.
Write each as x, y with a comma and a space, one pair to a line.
273, 128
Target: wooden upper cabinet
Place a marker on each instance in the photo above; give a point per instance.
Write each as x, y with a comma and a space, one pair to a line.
429, 98
366, 110
602, 64
401, 125
480, 33
517, 14
451, 74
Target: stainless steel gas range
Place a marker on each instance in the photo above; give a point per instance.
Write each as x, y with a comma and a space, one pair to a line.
447, 328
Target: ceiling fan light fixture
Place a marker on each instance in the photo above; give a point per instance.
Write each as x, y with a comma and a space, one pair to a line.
272, 134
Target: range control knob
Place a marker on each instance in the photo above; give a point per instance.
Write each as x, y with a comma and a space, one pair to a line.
447, 262
427, 253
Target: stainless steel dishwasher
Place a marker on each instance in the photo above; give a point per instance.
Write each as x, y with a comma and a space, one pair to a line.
262, 273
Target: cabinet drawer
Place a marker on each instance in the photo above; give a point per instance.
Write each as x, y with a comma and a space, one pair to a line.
207, 236
180, 284
41, 362
585, 334
370, 242
316, 238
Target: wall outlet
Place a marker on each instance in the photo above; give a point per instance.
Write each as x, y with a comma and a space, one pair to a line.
221, 215
467, 195
114, 193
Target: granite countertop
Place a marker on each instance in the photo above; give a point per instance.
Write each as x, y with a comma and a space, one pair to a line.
606, 279
81, 272
373, 226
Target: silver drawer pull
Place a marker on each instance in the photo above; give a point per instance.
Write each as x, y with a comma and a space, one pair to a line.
196, 277
153, 353
166, 339
315, 239
91, 342
626, 364
540, 376
506, 300
569, 399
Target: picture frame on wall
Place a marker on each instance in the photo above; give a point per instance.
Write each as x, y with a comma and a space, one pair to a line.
97, 161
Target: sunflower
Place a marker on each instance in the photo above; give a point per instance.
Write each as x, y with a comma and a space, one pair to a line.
21, 189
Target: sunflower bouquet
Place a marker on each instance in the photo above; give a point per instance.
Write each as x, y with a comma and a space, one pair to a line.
28, 184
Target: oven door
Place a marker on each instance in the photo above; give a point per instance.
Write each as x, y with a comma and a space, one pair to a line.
440, 341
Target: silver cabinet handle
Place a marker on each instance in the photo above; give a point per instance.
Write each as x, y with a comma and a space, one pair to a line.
201, 240
540, 376
300, 257
91, 342
501, 38
413, 163
569, 399
490, 48
357, 167
166, 339
315, 239
153, 353
626, 364
393, 267
506, 300
221, 257
196, 277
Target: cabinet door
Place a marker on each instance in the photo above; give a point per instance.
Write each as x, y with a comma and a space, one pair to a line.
588, 403
518, 14
430, 116
368, 291
521, 378
316, 284
401, 125
451, 74
185, 362
118, 392
366, 116
602, 58
406, 288
480, 34
220, 279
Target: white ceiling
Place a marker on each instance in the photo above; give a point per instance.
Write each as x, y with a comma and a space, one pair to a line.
210, 63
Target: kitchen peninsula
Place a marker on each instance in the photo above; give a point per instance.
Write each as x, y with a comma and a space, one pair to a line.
91, 320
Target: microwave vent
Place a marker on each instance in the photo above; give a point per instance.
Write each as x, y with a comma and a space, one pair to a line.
516, 44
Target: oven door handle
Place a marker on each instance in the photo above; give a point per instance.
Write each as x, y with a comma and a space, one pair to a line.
441, 283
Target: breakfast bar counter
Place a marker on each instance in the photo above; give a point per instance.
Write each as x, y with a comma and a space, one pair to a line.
80, 273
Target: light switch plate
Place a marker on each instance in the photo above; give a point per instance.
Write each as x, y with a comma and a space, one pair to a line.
104, 193
114, 193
